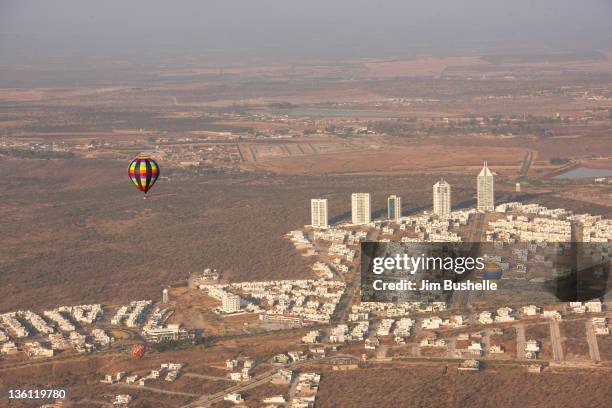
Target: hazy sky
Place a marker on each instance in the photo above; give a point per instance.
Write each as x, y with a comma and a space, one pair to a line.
293, 29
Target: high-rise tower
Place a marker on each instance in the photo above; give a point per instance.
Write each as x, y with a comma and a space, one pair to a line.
394, 208
441, 198
486, 195
360, 208
318, 213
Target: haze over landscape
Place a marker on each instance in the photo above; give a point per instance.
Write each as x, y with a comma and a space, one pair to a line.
276, 137
144, 32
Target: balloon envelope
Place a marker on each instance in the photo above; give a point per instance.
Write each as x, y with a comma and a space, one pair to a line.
138, 350
143, 172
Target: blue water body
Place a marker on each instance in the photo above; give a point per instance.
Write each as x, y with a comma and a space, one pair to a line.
583, 172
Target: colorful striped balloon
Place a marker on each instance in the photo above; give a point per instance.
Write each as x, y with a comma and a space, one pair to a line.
143, 172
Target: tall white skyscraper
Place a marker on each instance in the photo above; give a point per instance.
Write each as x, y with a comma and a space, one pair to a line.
318, 213
360, 208
486, 197
394, 208
441, 198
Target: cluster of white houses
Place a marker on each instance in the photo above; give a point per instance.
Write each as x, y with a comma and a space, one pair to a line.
506, 314
292, 301
361, 205
29, 325
594, 228
359, 326
364, 310
306, 390
359, 329
521, 228
230, 302
15, 326
167, 371
57, 333
600, 326
86, 314
433, 229
133, 314
240, 369
63, 328
536, 223
151, 320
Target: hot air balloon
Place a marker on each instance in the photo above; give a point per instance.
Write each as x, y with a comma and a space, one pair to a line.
138, 350
143, 172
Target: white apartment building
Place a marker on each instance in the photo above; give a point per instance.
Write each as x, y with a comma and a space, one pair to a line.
486, 196
394, 208
318, 213
360, 208
230, 303
441, 198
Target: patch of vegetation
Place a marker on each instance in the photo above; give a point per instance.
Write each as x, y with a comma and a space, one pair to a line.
559, 160
282, 105
172, 345
36, 154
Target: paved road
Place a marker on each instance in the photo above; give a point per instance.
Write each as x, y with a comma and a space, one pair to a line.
475, 234
526, 165
555, 336
592, 340
381, 352
346, 301
520, 341
154, 389
461, 298
207, 400
452, 347
87, 401
263, 378
293, 389
486, 340
205, 377
416, 350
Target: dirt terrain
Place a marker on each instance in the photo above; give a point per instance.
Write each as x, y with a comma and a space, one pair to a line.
250, 116
76, 231
437, 386
244, 150
81, 375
